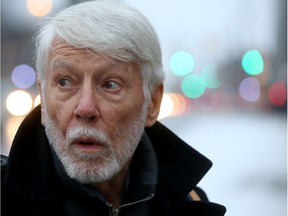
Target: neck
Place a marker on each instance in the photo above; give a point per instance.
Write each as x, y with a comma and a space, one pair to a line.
113, 189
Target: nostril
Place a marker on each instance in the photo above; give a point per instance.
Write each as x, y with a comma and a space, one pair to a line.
78, 116
86, 115
92, 118
86, 118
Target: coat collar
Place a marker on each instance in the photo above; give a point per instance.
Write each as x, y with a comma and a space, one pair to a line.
180, 166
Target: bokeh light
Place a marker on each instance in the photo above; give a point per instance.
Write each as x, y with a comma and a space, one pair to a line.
166, 107
252, 62
250, 89
181, 63
37, 100
23, 76
193, 86
277, 93
179, 104
39, 8
173, 105
211, 77
19, 103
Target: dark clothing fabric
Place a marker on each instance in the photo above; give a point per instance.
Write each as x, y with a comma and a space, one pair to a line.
163, 171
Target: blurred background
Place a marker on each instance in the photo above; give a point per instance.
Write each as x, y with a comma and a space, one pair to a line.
225, 89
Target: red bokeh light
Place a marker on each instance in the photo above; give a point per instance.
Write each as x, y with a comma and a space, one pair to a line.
278, 93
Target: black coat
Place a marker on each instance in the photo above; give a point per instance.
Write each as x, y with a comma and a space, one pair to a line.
29, 184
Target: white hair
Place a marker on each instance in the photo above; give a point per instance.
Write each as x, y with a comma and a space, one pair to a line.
110, 28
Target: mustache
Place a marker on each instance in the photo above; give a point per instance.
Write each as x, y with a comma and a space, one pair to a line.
87, 132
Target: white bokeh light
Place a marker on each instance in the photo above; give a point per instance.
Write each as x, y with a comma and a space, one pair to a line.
37, 100
19, 103
166, 107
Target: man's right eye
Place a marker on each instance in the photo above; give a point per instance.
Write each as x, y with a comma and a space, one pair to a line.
65, 83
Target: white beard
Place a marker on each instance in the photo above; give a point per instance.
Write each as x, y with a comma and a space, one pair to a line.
93, 168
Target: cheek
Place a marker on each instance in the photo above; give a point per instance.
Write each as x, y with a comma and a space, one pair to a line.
60, 112
119, 119
132, 110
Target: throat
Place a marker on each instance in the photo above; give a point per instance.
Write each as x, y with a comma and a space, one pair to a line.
113, 190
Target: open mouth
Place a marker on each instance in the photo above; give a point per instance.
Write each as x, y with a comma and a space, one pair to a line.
87, 144
85, 141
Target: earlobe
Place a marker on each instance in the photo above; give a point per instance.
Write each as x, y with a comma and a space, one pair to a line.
154, 107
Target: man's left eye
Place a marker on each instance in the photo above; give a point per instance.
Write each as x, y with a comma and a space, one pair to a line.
112, 85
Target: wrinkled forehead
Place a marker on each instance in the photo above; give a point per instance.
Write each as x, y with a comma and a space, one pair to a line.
63, 55
59, 44
61, 48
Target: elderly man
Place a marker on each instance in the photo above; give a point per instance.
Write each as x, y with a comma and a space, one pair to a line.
94, 147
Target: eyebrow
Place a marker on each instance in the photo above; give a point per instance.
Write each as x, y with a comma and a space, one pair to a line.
61, 64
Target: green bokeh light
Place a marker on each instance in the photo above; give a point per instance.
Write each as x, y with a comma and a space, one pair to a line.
182, 63
211, 77
252, 62
193, 86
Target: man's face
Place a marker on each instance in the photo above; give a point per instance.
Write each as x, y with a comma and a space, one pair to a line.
93, 111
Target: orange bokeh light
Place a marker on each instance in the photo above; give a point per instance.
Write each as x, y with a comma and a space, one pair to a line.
39, 8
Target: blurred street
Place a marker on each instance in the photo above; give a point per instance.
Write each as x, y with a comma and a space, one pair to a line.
248, 151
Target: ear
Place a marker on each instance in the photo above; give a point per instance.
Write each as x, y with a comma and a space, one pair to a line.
39, 85
154, 107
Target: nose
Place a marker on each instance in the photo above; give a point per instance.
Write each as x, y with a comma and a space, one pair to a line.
86, 109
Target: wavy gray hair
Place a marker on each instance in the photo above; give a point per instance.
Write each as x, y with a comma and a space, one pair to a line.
108, 27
